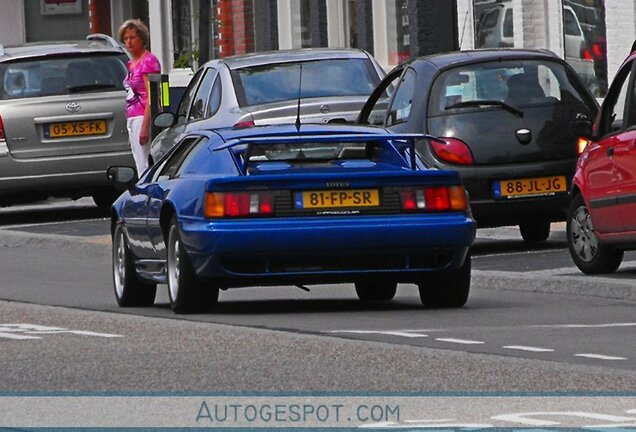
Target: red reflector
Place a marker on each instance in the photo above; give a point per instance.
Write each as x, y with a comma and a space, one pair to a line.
587, 55
244, 124
437, 198
407, 197
1, 129
237, 204
453, 150
266, 205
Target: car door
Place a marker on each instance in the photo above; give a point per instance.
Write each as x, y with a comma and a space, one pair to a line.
162, 181
625, 155
134, 214
601, 170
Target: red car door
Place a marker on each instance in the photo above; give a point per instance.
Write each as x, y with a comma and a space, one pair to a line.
610, 173
625, 162
600, 176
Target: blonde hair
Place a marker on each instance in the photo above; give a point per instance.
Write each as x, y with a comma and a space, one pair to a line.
138, 26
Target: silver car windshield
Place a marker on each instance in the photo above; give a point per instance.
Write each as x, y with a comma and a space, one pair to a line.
61, 75
278, 82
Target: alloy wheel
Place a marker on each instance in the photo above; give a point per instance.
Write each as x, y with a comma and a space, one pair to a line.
582, 236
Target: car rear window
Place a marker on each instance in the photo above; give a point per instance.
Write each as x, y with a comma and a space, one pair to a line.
61, 75
518, 83
324, 78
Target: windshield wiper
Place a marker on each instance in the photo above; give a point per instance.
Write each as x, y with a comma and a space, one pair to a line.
478, 103
87, 87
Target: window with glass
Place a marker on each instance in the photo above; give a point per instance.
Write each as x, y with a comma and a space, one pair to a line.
584, 33
614, 116
403, 99
494, 24
278, 82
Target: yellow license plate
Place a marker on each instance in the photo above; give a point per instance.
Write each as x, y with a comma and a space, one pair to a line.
518, 188
78, 128
337, 198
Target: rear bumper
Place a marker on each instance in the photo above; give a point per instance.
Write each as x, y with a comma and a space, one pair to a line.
490, 211
58, 174
326, 249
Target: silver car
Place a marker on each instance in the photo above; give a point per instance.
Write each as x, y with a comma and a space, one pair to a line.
331, 86
62, 120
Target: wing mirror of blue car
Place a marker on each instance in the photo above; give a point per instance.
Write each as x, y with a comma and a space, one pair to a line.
122, 175
164, 120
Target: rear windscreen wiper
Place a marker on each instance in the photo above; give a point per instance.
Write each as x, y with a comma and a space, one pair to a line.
477, 103
87, 87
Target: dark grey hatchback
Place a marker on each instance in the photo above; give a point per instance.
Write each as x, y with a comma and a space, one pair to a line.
510, 122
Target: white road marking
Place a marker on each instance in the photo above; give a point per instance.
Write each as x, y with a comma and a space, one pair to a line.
460, 341
528, 348
407, 334
599, 356
587, 325
22, 331
17, 336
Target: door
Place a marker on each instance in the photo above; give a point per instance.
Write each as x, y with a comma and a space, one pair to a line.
625, 157
606, 158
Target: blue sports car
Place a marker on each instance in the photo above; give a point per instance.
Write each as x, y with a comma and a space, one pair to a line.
281, 205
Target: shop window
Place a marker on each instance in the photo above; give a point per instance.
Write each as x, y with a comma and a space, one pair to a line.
585, 43
494, 24
313, 23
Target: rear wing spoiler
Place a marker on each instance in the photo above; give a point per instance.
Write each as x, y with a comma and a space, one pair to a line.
334, 138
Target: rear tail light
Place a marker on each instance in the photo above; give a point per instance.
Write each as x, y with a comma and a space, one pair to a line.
453, 150
439, 198
244, 124
2, 137
586, 54
238, 204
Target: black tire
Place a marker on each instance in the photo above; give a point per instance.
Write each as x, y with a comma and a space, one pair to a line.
130, 291
103, 199
446, 289
380, 290
589, 255
187, 293
535, 231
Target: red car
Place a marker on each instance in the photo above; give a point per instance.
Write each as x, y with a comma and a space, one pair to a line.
601, 222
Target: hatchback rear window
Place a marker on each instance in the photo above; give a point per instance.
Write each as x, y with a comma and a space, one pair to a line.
518, 84
324, 78
61, 75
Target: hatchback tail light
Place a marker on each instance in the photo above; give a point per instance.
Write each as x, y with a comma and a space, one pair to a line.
453, 150
439, 198
238, 204
2, 136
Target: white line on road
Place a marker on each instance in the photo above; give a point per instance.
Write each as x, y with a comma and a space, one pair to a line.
17, 336
407, 334
528, 348
587, 325
599, 357
460, 341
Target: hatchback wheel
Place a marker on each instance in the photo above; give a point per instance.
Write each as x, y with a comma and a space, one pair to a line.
129, 290
187, 293
535, 231
589, 255
446, 289
381, 290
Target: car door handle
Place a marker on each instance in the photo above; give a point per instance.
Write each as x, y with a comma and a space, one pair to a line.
610, 151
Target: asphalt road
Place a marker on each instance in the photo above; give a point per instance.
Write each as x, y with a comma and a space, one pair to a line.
532, 323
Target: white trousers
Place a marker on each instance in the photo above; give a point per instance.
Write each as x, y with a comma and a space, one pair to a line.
140, 152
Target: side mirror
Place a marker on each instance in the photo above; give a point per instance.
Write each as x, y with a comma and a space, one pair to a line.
122, 175
164, 120
582, 128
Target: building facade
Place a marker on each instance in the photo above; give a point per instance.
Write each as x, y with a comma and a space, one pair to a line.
594, 36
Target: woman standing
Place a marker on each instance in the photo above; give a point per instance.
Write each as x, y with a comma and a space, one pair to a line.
134, 35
